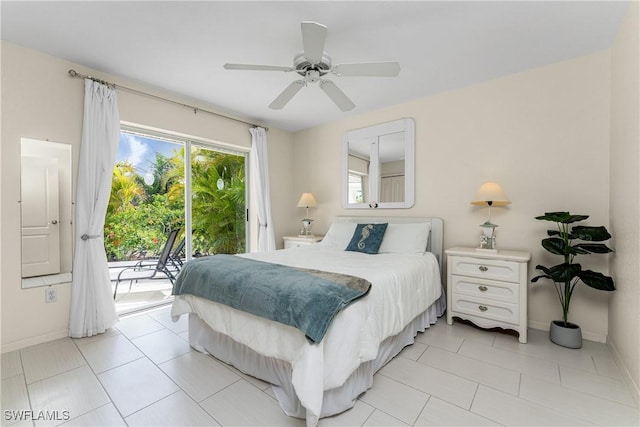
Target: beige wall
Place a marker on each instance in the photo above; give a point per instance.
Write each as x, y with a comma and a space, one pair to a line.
624, 310
543, 134
40, 101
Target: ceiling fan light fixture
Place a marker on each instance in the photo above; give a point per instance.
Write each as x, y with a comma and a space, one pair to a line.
314, 63
312, 76
301, 64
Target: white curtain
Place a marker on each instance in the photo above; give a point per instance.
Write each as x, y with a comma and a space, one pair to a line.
260, 185
92, 307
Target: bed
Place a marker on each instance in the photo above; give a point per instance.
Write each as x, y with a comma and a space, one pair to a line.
314, 380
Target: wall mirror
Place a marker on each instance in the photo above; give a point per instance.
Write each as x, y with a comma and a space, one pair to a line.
46, 212
378, 166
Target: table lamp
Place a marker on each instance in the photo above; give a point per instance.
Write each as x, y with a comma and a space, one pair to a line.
490, 194
306, 201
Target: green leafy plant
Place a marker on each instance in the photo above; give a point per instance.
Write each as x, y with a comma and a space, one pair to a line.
562, 241
140, 215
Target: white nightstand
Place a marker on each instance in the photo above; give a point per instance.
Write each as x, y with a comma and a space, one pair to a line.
295, 241
488, 288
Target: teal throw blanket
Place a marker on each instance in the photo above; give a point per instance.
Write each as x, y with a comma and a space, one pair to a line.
302, 298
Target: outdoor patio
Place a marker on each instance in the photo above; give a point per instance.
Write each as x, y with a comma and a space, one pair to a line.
144, 293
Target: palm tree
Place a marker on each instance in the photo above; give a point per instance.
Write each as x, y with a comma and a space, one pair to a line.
125, 188
217, 188
159, 169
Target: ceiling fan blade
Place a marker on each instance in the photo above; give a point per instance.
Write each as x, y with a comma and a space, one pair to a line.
337, 96
313, 38
368, 69
286, 95
256, 67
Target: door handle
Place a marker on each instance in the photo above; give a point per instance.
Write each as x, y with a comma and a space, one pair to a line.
54, 222
482, 268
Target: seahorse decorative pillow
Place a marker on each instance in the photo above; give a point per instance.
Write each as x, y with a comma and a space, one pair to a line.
367, 238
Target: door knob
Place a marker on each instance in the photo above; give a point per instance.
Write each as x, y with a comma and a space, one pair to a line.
54, 222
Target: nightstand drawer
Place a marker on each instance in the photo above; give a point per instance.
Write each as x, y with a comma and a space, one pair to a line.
507, 271
497, 291
497, 311
297, 241
295, 244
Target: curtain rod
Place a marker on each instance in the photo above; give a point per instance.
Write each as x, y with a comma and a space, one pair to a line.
74, 73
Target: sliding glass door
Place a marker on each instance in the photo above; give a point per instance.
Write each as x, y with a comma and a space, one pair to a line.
218, 203
157, 188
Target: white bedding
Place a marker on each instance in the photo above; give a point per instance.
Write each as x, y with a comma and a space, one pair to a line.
403, 286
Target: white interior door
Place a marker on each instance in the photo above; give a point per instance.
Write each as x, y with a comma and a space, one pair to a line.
392, 188
40, 221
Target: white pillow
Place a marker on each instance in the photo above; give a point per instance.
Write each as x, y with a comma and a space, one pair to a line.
339, 235
405, 238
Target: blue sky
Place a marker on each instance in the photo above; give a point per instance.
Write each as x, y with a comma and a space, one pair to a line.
141, 151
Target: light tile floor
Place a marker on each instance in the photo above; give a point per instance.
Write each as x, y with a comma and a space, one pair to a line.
143, 372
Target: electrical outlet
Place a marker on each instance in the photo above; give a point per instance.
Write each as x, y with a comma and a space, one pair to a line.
50, 294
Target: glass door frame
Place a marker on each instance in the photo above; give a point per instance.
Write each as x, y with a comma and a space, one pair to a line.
188, 212
188, 142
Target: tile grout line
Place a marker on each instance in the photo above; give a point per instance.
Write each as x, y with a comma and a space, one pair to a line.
475, 393
632, 405
224, 388
153, 403
520, 381
468, 379
422, 410
576, 391
424, 392
99, 382
26, 386
144, 356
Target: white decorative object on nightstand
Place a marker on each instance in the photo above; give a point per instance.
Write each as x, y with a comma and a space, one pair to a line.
295, 241
488, 289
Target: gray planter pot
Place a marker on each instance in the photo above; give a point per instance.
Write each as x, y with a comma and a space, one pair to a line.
569, 336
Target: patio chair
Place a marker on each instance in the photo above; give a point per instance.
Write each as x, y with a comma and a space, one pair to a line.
147, 270
175, 261
176, 255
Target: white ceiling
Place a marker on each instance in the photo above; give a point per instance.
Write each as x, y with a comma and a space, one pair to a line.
182, 46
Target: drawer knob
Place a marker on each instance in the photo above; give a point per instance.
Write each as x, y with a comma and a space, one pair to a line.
482, 268
482, 308
482, 288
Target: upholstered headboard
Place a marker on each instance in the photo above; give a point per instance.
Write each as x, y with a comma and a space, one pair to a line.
436, 239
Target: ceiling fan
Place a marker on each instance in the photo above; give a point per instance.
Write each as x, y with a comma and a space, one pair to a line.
314, 63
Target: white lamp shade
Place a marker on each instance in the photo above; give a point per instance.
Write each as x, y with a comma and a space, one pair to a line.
307, 201
490, 193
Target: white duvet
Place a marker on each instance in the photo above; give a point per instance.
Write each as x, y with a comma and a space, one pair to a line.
403, 286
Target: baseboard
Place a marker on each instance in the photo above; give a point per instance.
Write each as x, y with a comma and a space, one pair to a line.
635, 389
18, 345
591, 336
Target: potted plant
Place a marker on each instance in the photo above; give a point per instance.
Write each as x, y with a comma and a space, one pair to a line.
569, 243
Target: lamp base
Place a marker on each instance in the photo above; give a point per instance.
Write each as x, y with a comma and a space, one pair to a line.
488, 237
306, 227
493, 251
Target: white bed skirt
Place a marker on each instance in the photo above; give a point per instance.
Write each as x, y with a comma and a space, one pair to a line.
278, 372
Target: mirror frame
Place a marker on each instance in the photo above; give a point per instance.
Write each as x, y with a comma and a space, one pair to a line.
406, 125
